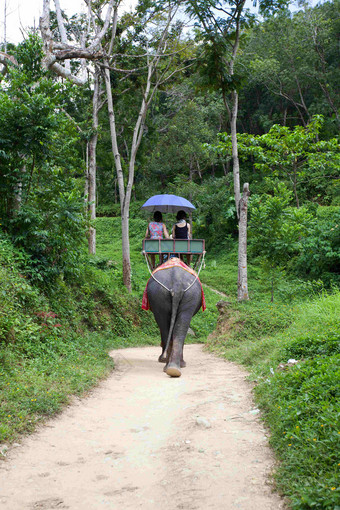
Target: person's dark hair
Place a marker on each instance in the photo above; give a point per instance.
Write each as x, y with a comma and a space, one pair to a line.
157, 216
181, 215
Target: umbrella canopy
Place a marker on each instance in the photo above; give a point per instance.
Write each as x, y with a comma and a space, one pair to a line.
168, 204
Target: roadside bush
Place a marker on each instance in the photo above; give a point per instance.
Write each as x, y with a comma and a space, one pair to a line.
311, 345
54, 340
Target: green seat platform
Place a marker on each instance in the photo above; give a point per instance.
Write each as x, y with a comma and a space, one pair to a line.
180, 246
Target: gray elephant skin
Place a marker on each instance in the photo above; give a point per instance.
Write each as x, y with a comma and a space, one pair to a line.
173, 308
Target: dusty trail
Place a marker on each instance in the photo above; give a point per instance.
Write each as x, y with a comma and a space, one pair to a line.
143, 440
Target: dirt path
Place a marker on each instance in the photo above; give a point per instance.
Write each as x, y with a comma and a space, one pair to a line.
144, 440
205, 285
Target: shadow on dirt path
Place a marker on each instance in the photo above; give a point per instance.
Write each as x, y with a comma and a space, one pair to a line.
144, 440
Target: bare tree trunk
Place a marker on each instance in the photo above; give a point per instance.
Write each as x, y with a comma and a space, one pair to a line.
93, 164
124, 201
240, 203
86, 185
236, 162
5, 27
116, 198
62, 30
242, 282
126, 248
15, 200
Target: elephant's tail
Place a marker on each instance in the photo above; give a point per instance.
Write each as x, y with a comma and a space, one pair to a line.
176, 298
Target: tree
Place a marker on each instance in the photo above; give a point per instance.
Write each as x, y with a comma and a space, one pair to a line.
62, 50
180, 151
39, 199
155, 57
158, 71
27, 125
277, 229
295, 156
221, 24
292, 60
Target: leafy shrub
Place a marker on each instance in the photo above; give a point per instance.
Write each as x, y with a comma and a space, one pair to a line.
52, 232
108, 210
320, 253
54, 341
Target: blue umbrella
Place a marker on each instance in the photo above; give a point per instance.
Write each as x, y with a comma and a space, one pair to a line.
168, 204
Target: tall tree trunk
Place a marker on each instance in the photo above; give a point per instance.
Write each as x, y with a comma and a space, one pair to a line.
126, 247
62, 30
241, 205
5, 27
15, 200
236, 162
242, 283
124, 204
93, 164
86, 185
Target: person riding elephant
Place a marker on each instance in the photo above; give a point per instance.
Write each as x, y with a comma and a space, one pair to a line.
156, 229
182, 230
174, 295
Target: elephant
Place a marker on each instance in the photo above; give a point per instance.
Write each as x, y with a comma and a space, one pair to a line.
175, 296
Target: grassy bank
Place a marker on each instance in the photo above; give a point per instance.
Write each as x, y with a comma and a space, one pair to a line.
300, 401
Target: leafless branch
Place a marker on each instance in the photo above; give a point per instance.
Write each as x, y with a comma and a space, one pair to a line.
73, 121
119, 70
175, 72
6, 60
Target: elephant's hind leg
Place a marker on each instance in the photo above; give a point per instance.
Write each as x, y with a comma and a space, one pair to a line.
163, 317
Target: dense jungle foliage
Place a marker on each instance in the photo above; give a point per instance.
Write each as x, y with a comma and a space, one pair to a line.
61, 310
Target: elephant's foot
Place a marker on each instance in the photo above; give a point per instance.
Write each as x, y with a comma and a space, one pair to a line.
172, 370
162, 359
183, 364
